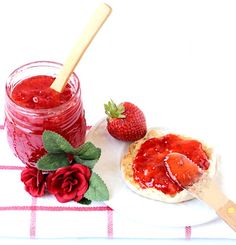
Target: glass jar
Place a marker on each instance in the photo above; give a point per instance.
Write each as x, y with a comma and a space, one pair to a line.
24, 126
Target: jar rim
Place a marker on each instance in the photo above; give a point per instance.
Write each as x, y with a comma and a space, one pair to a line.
35, 64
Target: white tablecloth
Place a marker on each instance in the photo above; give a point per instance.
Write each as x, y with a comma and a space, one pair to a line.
175, 59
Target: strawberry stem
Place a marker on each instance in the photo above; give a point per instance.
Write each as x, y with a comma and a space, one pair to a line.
114, 111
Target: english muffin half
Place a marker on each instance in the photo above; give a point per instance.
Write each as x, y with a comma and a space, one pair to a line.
152, 192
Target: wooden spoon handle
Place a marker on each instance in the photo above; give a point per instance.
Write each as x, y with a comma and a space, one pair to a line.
97, 20
209, 192
228, 213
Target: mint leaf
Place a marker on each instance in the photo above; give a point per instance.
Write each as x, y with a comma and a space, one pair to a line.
55, 143
97, 190
53, 161
85, 201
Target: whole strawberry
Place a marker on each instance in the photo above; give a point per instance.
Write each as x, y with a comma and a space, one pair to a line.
126, 121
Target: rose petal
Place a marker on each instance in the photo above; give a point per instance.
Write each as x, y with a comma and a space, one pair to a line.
34, 181
69, 183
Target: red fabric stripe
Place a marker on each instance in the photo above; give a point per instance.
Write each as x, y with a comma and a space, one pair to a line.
53, 208
5, 167
33, 219
110, 224
188, 231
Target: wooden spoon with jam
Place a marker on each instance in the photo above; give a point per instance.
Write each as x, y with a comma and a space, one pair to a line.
192, 178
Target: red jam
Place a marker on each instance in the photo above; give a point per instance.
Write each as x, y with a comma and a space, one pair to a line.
35, 93
149, 167
32, 107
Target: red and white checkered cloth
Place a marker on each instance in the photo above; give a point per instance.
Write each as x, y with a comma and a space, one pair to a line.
22, 216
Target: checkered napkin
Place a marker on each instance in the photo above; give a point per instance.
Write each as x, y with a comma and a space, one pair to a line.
23, 216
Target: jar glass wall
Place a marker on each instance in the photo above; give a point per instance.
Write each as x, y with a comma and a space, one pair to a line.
25, 125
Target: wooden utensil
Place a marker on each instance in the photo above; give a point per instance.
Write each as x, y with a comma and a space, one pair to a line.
97, 20
189, 176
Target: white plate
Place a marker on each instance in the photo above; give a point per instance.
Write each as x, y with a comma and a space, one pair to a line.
132, 205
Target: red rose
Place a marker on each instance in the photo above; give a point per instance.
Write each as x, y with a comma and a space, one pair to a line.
69, 183
34, 181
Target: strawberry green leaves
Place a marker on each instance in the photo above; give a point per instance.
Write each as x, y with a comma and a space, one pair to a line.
114, 111
60, 153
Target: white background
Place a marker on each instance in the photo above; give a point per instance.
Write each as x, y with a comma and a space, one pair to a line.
175, 59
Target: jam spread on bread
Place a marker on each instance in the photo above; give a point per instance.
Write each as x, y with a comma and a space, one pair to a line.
149, 169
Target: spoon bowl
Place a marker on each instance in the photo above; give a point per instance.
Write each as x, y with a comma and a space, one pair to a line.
190, 177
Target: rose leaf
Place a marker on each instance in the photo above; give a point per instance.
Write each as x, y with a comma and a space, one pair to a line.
52, 162
88, 151
87, 154
85, 201
97, 190
88, 163
55, 143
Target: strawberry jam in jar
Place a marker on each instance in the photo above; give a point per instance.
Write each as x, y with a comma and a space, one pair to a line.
32, 107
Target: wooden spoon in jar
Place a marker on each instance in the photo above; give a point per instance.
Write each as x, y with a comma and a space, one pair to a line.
192, 178
97, 20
